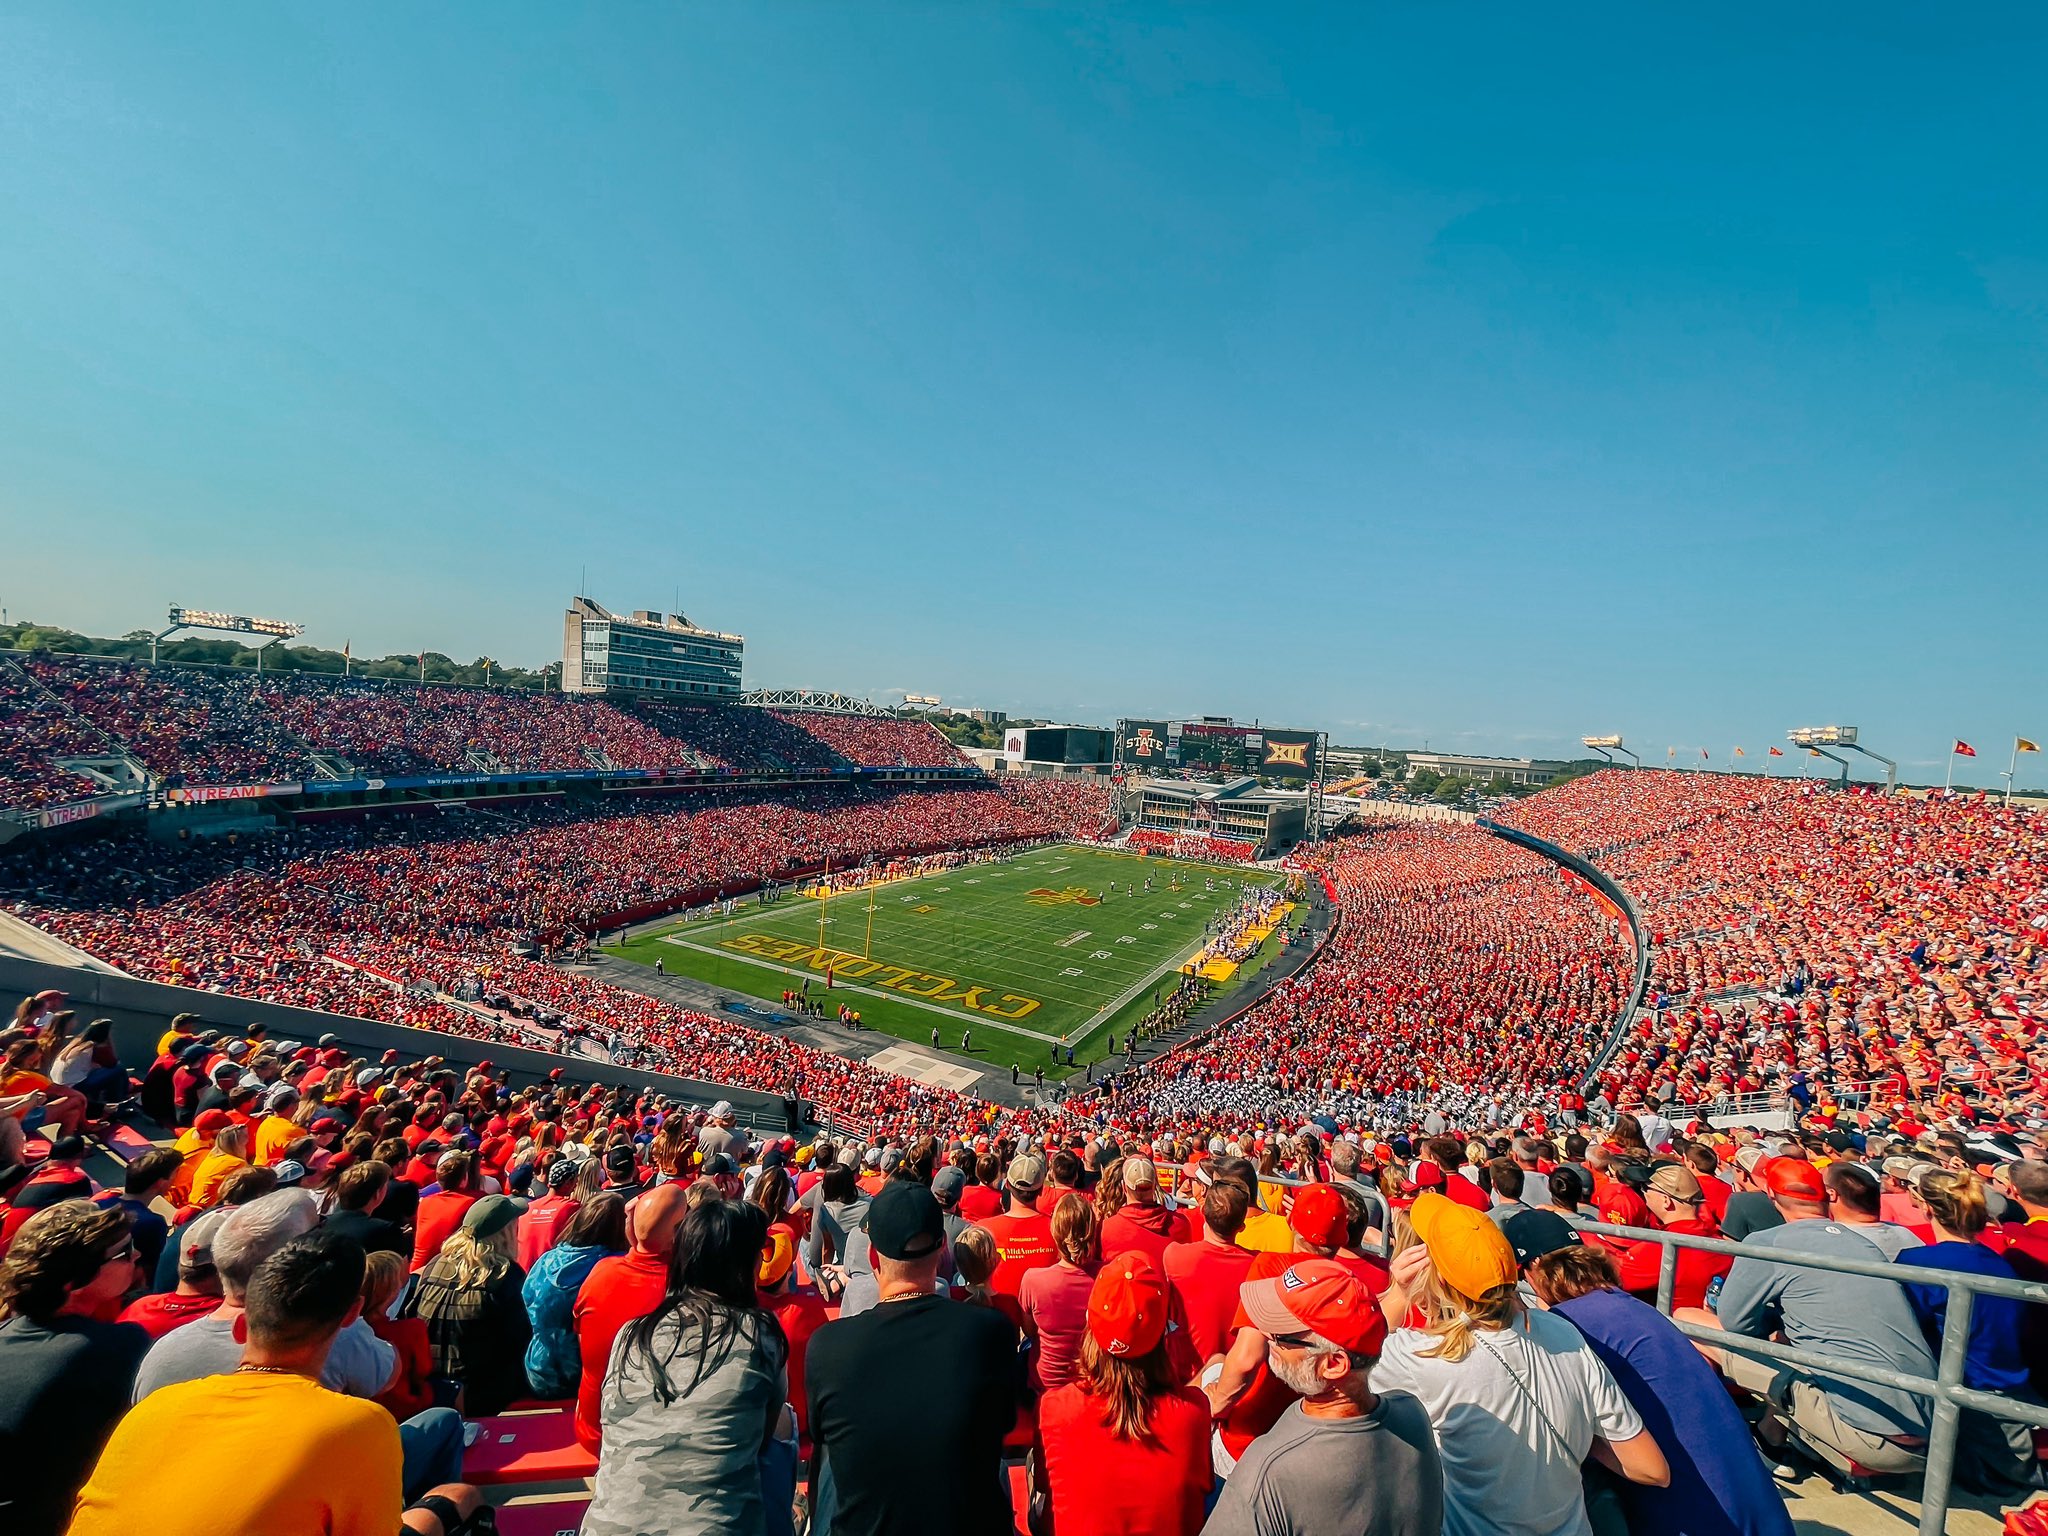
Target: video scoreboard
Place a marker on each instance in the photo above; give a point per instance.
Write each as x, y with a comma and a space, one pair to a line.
1219, 748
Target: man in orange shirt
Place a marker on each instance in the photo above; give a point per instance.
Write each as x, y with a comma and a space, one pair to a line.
1023, 1237
618, 1290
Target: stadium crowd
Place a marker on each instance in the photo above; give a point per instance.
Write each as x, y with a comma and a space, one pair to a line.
876, 743
1166, 1299
202, 726
1094, 1328
34, 730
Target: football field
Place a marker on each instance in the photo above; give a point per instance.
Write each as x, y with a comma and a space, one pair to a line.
1006, 960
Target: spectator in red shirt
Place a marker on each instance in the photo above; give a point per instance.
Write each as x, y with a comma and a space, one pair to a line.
441, 1212
1677, 1204
983, 1198
1205, 1274
412, 1388
629, 1285
198, 1289
544, 1218
1714, 1189
1023, 1237
1449, 1157
1126, 1445
1143, 1224
800, 1312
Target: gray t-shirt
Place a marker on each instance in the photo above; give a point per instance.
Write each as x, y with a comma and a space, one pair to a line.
1889, 1236
1847, 1317
686, 1467
359, 1365
1376, 1475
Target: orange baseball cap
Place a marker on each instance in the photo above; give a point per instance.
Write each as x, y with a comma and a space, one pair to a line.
1127, 1306
1794, 1179
1317, 1296
1469, 1251
1319, 1215
777, 1255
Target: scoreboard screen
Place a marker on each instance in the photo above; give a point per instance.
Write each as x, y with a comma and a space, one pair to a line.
1202, 747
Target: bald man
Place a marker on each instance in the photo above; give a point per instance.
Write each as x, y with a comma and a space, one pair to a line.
620, 1289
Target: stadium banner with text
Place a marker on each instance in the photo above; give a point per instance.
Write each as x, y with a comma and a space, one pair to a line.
207, 792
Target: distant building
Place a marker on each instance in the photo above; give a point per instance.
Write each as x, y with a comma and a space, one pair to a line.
659, 653
1516, 770
988, 716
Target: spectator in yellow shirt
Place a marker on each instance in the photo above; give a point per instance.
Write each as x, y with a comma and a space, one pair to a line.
277, 1130
277, 1452
228, 1157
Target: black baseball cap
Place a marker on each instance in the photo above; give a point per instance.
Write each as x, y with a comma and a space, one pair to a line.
904, 1222
1534, 1233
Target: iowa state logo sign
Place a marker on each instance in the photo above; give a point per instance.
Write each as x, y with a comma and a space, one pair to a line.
1072, 896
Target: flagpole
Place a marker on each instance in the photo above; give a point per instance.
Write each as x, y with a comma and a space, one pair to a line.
2011, 768
1949, 778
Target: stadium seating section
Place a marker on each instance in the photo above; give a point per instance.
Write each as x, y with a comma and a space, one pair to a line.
198, 726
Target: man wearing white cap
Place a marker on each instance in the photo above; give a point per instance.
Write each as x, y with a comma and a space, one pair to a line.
719, 1134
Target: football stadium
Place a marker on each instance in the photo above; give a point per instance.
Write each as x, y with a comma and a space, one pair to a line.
1130, 968
991, 950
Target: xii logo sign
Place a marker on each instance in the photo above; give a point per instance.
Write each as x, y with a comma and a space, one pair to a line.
1286, 754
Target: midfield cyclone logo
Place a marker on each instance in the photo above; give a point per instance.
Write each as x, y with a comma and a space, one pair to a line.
1072, 896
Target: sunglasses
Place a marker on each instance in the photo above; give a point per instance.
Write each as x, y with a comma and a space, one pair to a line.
125, 1254
1292, 1340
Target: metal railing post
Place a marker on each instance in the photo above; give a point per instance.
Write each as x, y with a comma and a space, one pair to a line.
1667, 1275
1948, 1414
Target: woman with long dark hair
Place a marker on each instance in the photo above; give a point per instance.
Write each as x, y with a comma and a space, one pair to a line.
694, 1397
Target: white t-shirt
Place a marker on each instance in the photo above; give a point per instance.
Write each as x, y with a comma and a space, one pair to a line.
1504, 1470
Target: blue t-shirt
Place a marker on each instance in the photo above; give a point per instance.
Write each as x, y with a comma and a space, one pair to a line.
1992, 1362
1719, 1486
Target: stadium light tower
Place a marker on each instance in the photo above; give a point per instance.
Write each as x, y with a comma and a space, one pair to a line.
1606, 744
278, 630
1817, 737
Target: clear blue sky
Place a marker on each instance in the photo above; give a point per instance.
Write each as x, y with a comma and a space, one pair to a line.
1483, 376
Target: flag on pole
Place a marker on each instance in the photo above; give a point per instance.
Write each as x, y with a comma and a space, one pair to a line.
2021, 744
1963, 749
1740, 753
1776, 753
1670, 753
1703, 755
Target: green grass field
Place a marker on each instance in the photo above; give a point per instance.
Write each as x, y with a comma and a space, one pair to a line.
1018, 954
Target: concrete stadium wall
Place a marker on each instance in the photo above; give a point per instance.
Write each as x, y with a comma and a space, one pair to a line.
142, 1011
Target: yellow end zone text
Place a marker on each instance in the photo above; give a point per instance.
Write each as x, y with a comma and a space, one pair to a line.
875, 973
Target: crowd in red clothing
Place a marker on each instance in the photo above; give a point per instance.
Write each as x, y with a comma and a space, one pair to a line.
213, 726
34, 729
1466, 975
1186, 845
870, 742
1811, 940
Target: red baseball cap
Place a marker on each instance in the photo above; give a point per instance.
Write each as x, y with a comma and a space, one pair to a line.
1127, 1306
1795, 1179
212, 1122
1317, 1296
1319, 1215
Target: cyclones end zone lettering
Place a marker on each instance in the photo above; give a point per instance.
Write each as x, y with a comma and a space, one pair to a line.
845, 966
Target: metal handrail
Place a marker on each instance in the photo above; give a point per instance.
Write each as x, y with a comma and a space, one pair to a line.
1949, 1394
